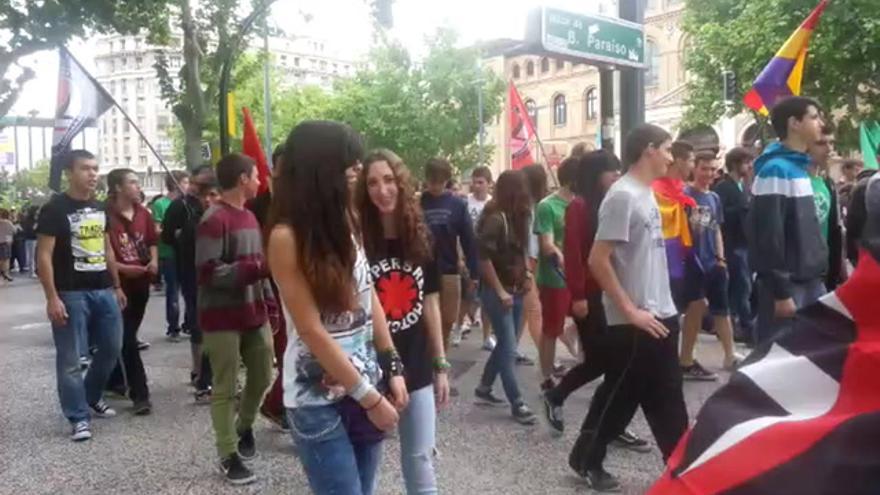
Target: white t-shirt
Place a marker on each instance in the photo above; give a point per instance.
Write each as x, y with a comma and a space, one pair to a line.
475, 208
630, 218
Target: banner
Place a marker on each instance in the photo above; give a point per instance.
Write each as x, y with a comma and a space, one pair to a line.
522, 131
251, 146
869, 140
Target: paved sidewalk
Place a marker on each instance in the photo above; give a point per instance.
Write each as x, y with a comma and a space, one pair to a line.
482, 451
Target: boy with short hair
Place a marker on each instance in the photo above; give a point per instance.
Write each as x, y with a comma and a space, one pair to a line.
167, 264
481, 182
233, 296
706, 273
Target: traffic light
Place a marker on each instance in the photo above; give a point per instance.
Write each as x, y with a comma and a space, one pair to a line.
728, 81
382, 13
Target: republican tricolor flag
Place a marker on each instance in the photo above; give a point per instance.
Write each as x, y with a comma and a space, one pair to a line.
783, 75
522, 131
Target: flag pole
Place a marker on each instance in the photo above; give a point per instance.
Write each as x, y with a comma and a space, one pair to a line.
546, 165
128, 118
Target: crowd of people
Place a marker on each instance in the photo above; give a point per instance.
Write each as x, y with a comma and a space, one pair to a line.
356, 285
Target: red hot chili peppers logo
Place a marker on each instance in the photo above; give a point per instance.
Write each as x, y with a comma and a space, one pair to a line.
401, 290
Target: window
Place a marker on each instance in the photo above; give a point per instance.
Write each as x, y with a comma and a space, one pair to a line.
545, 65
559, 110
560, 64
142, 160
652, 58
515, 71
140, 84
591, 101
138, 62
123, 62
532, 110
296, 61
530, 68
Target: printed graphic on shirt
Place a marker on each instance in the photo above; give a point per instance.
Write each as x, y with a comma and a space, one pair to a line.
702, 220
653, 226
87, 240
400, 287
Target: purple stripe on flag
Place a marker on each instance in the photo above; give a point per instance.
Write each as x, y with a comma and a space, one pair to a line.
772, 83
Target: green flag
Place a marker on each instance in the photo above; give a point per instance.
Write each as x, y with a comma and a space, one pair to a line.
869, 138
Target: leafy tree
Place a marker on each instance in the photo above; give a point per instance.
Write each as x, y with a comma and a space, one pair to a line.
27, 186
841, 71
29, 26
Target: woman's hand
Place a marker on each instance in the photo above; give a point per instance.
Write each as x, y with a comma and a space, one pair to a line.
399, 395
383, 415
505, 298
441, 390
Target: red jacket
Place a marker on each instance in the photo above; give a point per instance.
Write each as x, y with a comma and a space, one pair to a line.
579, 235
131, 241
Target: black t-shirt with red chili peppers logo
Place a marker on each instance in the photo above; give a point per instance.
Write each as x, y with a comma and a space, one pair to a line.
402, 288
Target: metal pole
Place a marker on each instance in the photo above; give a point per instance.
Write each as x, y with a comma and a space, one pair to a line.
45, 151
15, 143
606, 109
267, 97
632, 81
30, 147
481, 137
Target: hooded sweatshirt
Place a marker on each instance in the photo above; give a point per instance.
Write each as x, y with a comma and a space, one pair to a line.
784, 237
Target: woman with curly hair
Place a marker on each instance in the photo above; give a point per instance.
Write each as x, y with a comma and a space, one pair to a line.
503, 237
407, 281
340, 346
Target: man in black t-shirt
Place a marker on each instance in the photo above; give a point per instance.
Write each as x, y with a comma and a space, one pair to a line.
83, 295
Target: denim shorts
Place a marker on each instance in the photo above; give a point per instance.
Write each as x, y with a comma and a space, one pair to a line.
712, 286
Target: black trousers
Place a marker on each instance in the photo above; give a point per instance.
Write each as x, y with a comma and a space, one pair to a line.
135, 376
639, 371
590, 332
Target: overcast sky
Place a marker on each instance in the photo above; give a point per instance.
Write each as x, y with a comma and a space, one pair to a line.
346, 25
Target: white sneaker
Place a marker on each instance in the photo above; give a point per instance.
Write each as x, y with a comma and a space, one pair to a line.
735, 362
489, 343
455, 336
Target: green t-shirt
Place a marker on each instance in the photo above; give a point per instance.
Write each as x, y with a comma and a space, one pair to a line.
550, 219
159, 207
822, 197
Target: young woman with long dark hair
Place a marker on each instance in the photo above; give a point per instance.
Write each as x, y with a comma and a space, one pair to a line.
594, 173
503, 237
340, 347
407, 281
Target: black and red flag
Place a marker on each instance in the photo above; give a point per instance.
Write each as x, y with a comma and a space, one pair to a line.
802, 416
522, 130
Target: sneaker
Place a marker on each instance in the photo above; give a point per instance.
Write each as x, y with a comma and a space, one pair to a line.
630, 441
489, 344
84, 363
547, 384
696, 372
553, 415
465, 331
203, 396
523, 360
173, 337
523, 415
102, 410
485, 396
735, 362
602, 481
235, 471
247, 445
455, 337
143, 346
279, 420
186, 331
82, 431
142, 408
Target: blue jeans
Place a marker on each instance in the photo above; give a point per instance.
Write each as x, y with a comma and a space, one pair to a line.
740, 286
95, 314
505, 322
418, 428
168, 269
333, 464
803, 293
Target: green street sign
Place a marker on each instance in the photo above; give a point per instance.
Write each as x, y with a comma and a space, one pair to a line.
594, 38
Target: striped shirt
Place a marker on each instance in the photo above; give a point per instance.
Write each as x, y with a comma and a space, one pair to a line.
231, 270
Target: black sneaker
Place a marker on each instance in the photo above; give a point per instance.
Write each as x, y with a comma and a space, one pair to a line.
547, 384
523, 360
696, 372
485, 396
142, 408
102, 410
81, 432
523, 415
553, 415
235, 471
203, 396
630, 441
247, 445
143, 346
602, 481
186, 331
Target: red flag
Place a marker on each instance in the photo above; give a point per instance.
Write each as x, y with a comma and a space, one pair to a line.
521, 131
250, 146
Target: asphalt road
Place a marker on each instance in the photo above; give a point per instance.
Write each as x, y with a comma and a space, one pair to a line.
482, 451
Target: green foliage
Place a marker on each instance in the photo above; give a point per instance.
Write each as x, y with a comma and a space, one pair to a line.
743, 35
28, 186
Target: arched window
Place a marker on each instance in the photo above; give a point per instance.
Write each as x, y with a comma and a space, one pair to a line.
545, 65
592, 102
532, 110
560, 64
530, 68
560, 111
515, 71
652, 58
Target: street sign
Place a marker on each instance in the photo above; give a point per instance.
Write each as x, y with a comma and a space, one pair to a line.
592, 37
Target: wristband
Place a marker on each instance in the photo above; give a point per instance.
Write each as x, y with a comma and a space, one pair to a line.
360, 390
374, 406
390, 362
441, 365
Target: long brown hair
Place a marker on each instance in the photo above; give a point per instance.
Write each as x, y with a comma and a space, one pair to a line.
513, 200
408, 213
311, 197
